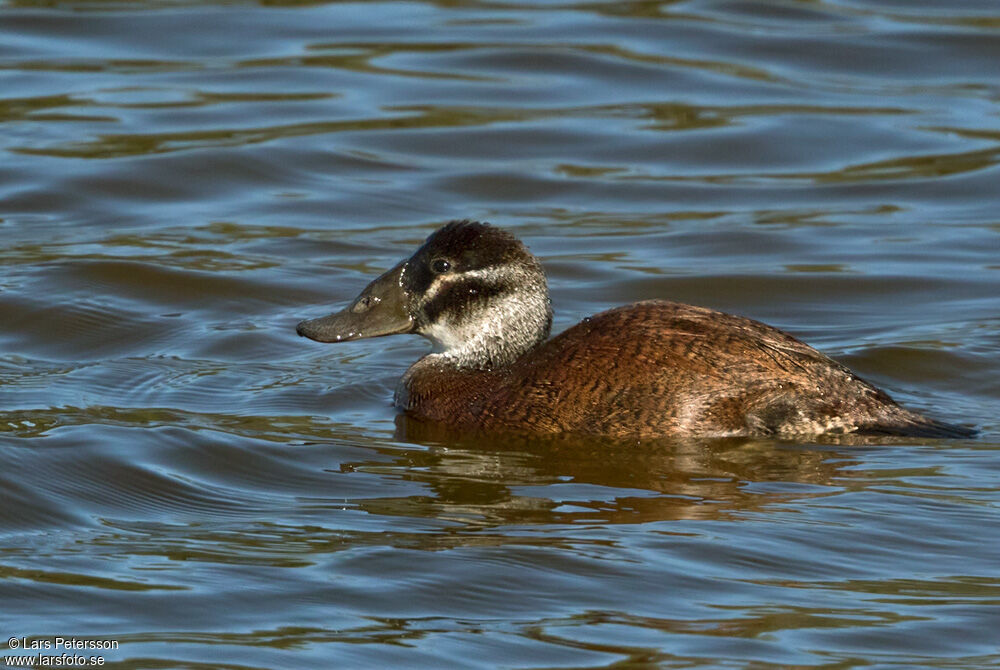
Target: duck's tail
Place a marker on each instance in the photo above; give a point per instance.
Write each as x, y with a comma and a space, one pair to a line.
904, 423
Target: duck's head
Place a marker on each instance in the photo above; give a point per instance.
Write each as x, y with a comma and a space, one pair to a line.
473, 289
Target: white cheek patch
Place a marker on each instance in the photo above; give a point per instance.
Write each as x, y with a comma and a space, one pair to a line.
490, 275
487, 333
493, 332
440, 281
449, 337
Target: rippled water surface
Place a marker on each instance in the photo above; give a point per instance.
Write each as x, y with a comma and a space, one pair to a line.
181, 181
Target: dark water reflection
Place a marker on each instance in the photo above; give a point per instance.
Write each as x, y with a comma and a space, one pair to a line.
182, 181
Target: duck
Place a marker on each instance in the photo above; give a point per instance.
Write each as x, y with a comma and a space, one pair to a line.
651, 369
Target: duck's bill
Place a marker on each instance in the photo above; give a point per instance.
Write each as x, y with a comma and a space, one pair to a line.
381, 309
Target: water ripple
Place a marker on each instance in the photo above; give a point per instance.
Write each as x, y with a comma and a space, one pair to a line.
183, 181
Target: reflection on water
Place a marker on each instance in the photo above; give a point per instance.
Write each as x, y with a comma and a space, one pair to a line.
182, 181
661, 480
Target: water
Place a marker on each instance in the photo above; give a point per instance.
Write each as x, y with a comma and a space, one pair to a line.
182, 181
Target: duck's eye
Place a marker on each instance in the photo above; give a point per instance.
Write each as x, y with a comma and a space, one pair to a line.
440, 266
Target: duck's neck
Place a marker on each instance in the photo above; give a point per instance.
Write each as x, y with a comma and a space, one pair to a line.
493, 335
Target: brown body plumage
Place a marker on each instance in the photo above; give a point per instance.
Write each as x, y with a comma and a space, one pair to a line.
650, 369
660, 368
